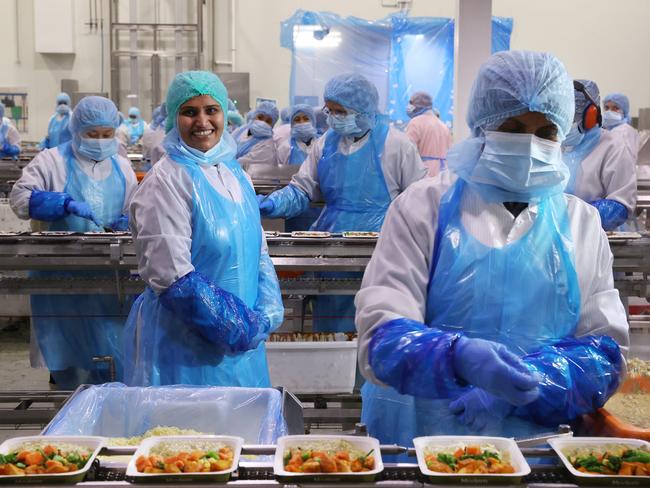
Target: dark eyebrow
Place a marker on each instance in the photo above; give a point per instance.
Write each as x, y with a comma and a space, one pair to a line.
513, 123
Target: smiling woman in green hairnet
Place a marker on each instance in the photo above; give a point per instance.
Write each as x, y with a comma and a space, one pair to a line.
213, 295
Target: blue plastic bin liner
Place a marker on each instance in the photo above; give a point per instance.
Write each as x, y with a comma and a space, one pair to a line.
115, 410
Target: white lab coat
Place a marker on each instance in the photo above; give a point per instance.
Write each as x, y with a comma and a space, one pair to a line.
264, 152
13, 136
47, 172
160, 218
284, 149
630, 137
395, 282
609, 171
281, 133
152, 144
400, 163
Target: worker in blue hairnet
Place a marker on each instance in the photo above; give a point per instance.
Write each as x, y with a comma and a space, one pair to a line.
488, 306
616, 119
57, 129
9, 136
235, 119
212, 294
282, 132
133, 128
358, 167
154, 134
255, 144
603, 170
82, 185
321, 122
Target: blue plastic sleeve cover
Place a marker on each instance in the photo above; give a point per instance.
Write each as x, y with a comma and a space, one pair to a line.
415, 359
269, 298
48, 205
612, 213
219, 316
122, 223
10, 149
289, 202
579, 375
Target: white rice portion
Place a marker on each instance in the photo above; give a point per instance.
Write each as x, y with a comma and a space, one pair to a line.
172, 448
154, 432
613, 449
65, 448
331, 447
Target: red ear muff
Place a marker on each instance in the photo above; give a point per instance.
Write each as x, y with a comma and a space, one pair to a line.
591, 117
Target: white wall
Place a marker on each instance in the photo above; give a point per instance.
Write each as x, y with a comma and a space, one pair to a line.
599, 39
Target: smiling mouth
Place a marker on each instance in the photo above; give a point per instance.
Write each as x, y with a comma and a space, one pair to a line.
203, 133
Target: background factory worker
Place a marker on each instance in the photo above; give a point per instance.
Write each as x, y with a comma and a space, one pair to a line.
82, 185
9, 136
235, 119
153, 136
213, 296
57, 129
133, 128
616, 118
357, 169
321, 122
488, 306
603, 171
428, 132
282, 132
255, 145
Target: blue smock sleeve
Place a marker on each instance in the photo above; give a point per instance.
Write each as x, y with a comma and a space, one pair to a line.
48, 205
269, 298
612, 213
415, 359
579, 375
289, 202
219, 316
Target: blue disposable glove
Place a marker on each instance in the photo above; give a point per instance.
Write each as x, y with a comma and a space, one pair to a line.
121, 224
289, 202
10, 149
266, 205
492, 367
612, 213
48, 205
477, 409
45, 143
83, 210
219, 316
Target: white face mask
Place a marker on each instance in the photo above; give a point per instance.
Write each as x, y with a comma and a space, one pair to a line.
520, 163
612, 119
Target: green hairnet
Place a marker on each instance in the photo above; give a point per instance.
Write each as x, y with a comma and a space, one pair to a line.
190, 84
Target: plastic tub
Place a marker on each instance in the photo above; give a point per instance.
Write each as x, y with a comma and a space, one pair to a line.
501, 443
235, 443
313, 367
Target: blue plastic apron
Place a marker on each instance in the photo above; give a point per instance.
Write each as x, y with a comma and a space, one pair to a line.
4, 128
522, 295
162, 349
135, 131
71, 329
57, 130
305, 220
356, 199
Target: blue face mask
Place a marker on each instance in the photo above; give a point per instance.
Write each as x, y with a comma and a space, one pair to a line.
345, 125
520, 163
413, 111
96, 149
574, 137
612, 119
62, 109
303, 132
261, 129
224, 150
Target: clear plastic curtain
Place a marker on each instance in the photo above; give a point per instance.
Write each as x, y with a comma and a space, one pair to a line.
399, 54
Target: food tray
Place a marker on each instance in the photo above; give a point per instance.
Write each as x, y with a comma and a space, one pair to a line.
133, 475
361, 235
615, 235
560, 443
501, 443
311, 234
94, 443
364, 444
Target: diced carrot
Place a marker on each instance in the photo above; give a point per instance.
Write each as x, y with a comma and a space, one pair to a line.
22, 455
473, 450
33, 458
49, 450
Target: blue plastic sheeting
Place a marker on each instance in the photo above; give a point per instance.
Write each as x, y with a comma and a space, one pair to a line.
389, 52
252, 413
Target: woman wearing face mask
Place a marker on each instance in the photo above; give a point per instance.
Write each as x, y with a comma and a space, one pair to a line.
57, 129
255, 143
213, 295
358, 167
82, 186
603, 169
616, 119
488, 306
133, 128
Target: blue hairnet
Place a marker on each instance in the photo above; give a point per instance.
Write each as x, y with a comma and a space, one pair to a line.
231, 106
302, 108
353, 91
2, 111
159, 115
421, 100
91, 112
235, 117
321, 120
192, 84
134, 111
511, 83
581, 99
63, 97
621, 100
267, 108
285, 115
